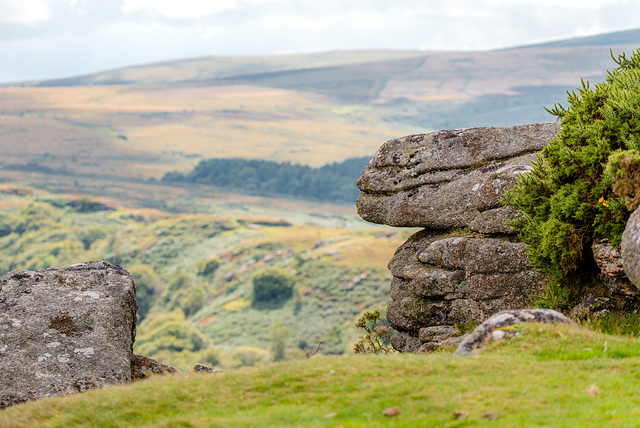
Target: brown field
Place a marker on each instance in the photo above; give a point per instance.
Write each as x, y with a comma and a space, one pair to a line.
110, 134
143, 132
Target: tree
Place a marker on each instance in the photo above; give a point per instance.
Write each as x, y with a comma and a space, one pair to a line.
147, 283
272, 285
280, 334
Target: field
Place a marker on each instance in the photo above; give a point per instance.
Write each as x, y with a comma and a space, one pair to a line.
556, 376
113, 134
197, 270
80, 179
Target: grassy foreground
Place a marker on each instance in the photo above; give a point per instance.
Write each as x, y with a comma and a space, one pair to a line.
548, 375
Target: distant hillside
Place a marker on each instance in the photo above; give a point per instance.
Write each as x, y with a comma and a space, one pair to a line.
137, 124
212, 68
431, 90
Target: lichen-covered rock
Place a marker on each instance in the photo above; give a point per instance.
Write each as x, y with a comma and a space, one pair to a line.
484, 332
495, 221
445, 179
609, 260
143, 367
65, 330
631, 248
467, 263
441, 281
201, 368
405, 342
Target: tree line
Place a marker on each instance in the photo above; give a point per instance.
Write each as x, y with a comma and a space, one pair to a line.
335, 182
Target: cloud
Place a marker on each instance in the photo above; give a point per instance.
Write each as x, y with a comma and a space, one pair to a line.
54, 38
178, 9
25, 11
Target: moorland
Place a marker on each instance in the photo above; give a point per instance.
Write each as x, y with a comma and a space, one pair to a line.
83, 175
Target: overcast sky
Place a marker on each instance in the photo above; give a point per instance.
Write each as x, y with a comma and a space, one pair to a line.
60, 38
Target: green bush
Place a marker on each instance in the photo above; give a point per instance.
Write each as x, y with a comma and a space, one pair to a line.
209, 266
210, 357
168, 332
280, 334
623, 167
272, 285
90, 235
568, 198
246, 356
147, 283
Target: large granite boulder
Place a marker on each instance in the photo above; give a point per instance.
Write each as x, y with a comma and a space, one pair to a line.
466, 264
440, 280
631, 248
65, 330
445, 179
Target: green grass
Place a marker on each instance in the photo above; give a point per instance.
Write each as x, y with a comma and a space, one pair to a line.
544, 376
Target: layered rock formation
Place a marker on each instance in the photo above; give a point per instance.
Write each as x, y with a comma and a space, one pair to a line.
465, 264
65, 330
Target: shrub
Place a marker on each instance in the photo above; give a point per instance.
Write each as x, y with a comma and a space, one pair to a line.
377, 337
147, 283
170, 332
272, 285
246, 356
568, 199
210, 357
623, 166
280, 334
209, 266
90, 235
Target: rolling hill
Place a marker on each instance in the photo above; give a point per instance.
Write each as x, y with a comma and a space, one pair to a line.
136, 124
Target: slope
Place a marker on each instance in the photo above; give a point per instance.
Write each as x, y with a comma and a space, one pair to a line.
548, 375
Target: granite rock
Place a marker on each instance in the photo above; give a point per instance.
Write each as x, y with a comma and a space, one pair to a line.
144, 367
65, 330
445, 179
484, 332
630, 247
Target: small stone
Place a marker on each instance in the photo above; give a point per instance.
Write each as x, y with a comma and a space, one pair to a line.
498, 335
427, 348
201, 368
391, 411
460, 414
142, 367
490, 415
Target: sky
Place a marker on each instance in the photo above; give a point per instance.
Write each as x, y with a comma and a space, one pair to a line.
41, 39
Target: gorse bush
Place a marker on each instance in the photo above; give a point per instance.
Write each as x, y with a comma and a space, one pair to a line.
377, 337
272, 285
570, 198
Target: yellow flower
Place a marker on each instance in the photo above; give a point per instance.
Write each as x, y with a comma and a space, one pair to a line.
604, 202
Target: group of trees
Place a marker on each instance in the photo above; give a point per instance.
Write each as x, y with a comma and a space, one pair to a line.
334, 182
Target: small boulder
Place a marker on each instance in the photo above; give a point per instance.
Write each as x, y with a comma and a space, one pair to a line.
143, 367
484, 332
201, 368
65, 330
